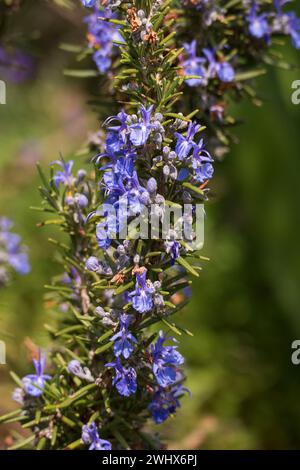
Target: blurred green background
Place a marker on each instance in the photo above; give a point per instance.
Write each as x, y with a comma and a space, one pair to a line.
245, 308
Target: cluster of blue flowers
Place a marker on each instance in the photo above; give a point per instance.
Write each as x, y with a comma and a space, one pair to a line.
126, 143
13, 255
226, 46
102, 36
206, 67
263, 23
264, 18
164, 361
130, 140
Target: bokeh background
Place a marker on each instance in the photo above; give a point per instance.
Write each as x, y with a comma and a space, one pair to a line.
245, 307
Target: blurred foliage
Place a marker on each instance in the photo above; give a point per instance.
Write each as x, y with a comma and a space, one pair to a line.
245, 307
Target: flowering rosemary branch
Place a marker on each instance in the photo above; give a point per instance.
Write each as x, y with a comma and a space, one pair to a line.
112, 363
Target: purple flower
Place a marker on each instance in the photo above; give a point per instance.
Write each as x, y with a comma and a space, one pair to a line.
35, 383
142, 296
116, 137
5, 224
140, 131
287, 23
165, 402
184, 144
131, 130
123, 339
152, 185
102, 60
204, 172
124, 379
15, 66
93, 264
166, 359
173, 249
81, 200
223, 70
19, 262
90, 436
202, 163
193, 65
101, 35
11, 249
65, 176
125, 196
258, 24
106, 231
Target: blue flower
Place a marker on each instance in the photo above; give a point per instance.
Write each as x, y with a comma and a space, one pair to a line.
202, 163
193, 65
64, 177
165, 402
93, 264
117, 135
223, 70
13, 253
19, 262
204, 172
90, 436
5, 224
114, 142
140, 131
16, 66
124, 379
34, 383
131, 131
102, 60
289, 22
125, 197
173, 248
166, 359
142, 296
123, 339
101, 36
258, 24
106, 231
185, 144
79, 200
183, 174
